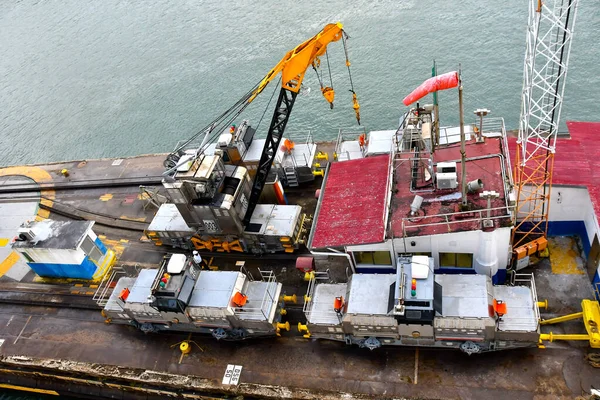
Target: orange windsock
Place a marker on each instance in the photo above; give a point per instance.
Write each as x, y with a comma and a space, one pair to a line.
448, 80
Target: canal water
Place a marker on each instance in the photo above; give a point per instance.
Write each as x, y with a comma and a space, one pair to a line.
85, 78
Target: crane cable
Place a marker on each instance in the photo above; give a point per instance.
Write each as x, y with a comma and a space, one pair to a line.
329, 67
218, 121
238, 107
328, 91
268, 104
217, 125
239, 162
355, 104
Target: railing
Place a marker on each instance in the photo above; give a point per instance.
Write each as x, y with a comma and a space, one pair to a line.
444, 133
496, 125
268, 301
301, 138
104, 289
310, 304
454, 218
348, 136
529, 281
400, 132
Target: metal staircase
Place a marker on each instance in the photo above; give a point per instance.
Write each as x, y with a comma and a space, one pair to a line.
291, 176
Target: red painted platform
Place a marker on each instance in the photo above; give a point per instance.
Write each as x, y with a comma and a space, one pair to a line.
487, 167
352, 207
577, 158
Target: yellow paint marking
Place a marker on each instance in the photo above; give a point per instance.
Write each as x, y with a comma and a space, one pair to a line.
563, 258
27, 389
8, 262
102, 237
39, 218
115, 245
78, 285
124, 241
4, 242
106, 197
93, 286
43, 214
38, 175
142, 219
143, 196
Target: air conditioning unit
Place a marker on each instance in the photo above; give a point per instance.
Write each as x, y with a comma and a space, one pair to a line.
446, 176
26, 234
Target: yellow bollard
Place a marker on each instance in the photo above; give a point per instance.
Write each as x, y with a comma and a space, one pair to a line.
290, 299
308, 276
281, 325
322, 156
306, 298
319, 173
64, 172
303, 328
543, 304
185, 347
317, 165
283, 311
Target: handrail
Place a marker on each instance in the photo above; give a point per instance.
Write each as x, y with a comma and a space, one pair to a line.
268, 300
102, 291
302, 138
345, 136
449, 221
529, 280
309, 302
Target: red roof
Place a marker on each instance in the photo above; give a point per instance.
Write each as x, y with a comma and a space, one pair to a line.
577, 159
353, 203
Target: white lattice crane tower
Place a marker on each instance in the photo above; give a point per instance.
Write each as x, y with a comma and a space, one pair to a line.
549, 36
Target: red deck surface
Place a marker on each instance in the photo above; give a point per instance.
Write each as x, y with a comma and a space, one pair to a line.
577, 159
448, 201
353, 203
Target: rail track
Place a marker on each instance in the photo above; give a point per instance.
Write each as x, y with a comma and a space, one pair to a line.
80, 184
43, 295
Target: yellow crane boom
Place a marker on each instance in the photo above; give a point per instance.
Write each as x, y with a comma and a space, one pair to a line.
294, 64
292, 67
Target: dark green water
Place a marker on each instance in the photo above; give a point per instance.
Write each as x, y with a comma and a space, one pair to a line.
82, 78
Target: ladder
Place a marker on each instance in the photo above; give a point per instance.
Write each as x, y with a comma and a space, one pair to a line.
291, 176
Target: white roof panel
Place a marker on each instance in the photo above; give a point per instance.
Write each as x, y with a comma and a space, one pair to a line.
176, 263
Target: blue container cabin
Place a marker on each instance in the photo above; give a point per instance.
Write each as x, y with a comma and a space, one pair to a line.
63, 249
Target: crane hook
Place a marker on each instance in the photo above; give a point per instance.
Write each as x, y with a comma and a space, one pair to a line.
355, 106
329, 94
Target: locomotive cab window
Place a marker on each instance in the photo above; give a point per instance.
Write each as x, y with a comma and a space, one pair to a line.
171, 305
